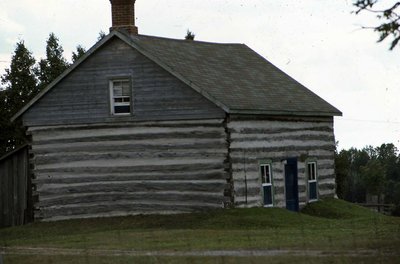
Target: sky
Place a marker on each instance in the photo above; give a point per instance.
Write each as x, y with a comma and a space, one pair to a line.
319, 43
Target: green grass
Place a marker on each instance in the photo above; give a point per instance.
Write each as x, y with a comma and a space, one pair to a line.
28, 259
327, 225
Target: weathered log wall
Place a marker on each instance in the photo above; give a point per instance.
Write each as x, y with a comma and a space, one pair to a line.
129, 168
256, 140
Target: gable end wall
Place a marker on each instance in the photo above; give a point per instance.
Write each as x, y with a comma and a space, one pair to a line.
83, 96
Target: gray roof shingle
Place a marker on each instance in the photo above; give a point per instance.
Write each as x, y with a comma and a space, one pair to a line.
235, 76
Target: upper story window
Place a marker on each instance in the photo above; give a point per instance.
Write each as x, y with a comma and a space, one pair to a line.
121, 93
312, 181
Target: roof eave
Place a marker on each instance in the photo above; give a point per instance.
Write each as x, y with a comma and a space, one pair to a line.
284, 113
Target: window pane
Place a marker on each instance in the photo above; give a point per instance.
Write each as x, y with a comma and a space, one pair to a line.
312, 191
267, 174
267, 195
117, 91
122, 109
311, 170
126, 91
262, 173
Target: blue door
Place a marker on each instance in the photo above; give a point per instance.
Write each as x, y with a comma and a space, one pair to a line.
291, 185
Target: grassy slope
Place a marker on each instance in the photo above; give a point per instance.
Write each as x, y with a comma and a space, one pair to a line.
327, 225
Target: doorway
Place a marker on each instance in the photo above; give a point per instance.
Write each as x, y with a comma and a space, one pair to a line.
291, 185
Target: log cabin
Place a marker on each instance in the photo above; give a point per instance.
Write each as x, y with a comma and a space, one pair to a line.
143, 124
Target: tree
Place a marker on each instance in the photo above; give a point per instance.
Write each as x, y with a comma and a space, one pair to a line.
374, 177
20, 86
54, 64
80, 51
389, 15
190, 35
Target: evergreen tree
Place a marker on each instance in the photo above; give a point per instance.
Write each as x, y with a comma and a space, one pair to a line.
54, 64
80, 51
190, 35
20, 86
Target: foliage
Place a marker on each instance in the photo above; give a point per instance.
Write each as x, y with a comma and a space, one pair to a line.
54, 64
20, 85
190, 35
80, 51
372, 171
388, 15
22, 81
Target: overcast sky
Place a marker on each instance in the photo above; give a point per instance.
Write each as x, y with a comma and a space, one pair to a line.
317, 42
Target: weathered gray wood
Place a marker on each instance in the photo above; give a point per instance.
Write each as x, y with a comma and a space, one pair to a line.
171, 196
13, 188
275, 139
122, 207
83, 96
140, 163
132, 186
65, 177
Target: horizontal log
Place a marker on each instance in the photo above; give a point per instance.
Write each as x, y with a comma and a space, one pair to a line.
127, 169
273, 134
129, 146
120, 207
285, 143
133, 186
279, 137
64, 178
67, 157
153, 164
136, 197
181, 123
248, 126
127, 134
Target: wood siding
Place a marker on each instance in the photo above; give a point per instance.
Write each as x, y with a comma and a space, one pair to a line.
83, 96
129, 168
15, 193
252, 141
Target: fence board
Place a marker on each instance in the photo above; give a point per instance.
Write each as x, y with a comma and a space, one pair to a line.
14, 188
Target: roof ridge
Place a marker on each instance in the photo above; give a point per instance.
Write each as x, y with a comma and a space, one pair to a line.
181, 40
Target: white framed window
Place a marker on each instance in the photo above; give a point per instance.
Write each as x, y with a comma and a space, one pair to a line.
312, 181
267, 185
120, 96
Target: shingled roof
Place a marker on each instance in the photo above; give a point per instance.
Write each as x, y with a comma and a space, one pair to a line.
232, 76
235, 76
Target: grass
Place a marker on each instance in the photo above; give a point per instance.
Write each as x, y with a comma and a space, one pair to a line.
330, 225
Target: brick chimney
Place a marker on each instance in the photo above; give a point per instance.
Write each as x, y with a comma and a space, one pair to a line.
123, 16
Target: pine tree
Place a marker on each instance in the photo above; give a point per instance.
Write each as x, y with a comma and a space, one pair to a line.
54, 64
189, 35
80, 51
20, 86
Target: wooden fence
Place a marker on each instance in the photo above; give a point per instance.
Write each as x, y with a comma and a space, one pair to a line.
15, 188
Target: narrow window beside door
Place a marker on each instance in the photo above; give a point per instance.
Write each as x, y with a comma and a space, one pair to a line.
266, 179
120, 97
312, 181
